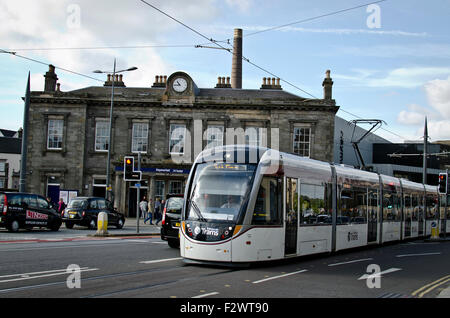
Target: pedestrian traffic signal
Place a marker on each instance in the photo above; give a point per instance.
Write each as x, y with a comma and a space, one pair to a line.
128, 170
443, 188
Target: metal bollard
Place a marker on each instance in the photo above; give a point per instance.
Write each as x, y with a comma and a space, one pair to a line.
102, 224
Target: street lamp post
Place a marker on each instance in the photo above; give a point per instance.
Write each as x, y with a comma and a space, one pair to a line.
108, 162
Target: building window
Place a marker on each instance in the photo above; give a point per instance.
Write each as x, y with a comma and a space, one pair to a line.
101, 136
176, 187
2, 182
302, 141
55, 133
139, 142
177, 138
214, 136
159, 188
2, 167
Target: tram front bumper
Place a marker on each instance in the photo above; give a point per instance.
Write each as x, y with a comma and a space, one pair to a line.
215, 252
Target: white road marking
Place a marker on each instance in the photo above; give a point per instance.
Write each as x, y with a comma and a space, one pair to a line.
350, 262
206, 295
375, 275
280, 276
421, 254
161, 260
26, 276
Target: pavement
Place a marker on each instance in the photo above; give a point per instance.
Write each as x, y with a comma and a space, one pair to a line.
79, 232
131, 228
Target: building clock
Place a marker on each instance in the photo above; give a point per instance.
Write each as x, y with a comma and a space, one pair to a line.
179, 84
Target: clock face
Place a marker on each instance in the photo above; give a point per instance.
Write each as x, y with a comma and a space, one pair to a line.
179, 84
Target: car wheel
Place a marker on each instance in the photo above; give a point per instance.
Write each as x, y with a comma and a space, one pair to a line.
69, 225
174, 243
120, 224
55, 226
14, 226
92, 224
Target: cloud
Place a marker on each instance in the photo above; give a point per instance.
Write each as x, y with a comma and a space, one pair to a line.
420, 50
438, 112
50, 24
405, 77
438, 94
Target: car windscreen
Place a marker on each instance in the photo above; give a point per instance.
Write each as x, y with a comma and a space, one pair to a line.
77, 204
174, 205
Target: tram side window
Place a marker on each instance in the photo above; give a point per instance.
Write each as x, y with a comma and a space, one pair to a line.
391, 207
315, 204
353, 206
432, 207
408, 210
415, 208
268, 209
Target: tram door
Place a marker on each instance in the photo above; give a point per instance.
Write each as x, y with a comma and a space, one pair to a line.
291, 217
372, 217
407, 215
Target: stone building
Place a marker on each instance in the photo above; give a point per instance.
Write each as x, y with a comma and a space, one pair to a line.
168, 123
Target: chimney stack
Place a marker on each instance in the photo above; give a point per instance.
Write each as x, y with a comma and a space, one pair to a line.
327, 86
50, 79
160, 81
236, 67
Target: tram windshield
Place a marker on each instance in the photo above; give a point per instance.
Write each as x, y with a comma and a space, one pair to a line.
219, 191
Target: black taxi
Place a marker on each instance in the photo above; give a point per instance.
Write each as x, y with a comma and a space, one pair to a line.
84, 211
27, 210
171, 219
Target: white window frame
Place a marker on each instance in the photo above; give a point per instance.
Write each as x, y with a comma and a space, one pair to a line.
173, 142
103, 137
301, 142
55, 129
139, 137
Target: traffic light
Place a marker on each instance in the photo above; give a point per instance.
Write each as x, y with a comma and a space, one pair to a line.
128, 168
443, 183
129, 174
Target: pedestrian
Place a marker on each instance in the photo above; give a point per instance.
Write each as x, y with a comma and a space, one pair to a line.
61, 205
143, 206
157, 209
50, 203
150, 212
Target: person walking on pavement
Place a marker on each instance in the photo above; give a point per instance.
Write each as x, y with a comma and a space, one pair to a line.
150, 212
61, 205
157, 210
143, 206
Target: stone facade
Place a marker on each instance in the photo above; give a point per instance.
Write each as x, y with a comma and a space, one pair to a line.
72, 161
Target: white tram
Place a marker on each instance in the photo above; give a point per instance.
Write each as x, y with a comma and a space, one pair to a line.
245, 204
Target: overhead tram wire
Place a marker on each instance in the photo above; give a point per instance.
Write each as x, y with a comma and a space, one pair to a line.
43, 63
314, 18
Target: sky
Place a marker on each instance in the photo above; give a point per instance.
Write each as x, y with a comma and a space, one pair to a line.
388, 61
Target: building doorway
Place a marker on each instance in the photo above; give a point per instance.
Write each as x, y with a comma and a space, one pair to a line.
132, 197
